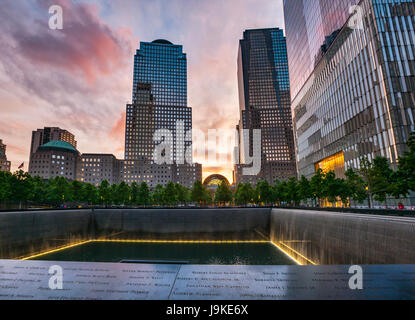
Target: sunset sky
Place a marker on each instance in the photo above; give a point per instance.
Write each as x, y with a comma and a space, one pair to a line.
80, 78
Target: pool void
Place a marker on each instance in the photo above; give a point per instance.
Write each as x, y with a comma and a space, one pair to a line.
294, 256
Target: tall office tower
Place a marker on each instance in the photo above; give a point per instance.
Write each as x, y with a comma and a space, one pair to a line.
140, 125
264, 100
159, 99
352, 79
159, 103
4, 164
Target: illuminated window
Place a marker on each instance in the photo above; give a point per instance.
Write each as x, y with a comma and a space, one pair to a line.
333, 163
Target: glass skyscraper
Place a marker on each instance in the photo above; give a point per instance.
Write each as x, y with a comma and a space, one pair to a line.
162, 65
264, 99
310, 27
352, 74
159, 103
159, 98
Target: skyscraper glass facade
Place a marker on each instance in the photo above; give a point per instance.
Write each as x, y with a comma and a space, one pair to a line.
164, 66
310, 27
264, 92
159, 99
159, 103
353, 87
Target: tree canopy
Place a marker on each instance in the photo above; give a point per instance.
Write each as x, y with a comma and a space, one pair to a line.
223, 194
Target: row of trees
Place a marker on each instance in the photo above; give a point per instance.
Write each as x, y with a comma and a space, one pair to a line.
373, 181
20, 187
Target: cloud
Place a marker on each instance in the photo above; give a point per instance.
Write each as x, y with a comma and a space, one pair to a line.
75, 78
80, 78
16, 149
118, 132
86, 46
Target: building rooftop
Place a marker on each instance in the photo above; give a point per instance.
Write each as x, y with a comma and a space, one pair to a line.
162, 41
58, 144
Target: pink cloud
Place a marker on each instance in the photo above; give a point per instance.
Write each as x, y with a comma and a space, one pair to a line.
16, 149
76, 78
118, 130
85, 45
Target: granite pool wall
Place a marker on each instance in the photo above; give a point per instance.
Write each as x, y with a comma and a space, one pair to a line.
312, 237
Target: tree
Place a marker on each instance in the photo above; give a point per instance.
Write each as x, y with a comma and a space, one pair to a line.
365, 172
144, 194
334, 188
356, 186
264, 192
399, 186
59, 190
207, 198
317, 186
280, 191
134, 190
182, 193
343, 191
104, 192
304, 189
158, 195
20, 187
292, 194
406, 168
90, 193
199, 194
123, 193
329, 192
244, 194
39, 191
113, 197
223, 194
381, 178
76, 190
170, 194
5, 185
378, 178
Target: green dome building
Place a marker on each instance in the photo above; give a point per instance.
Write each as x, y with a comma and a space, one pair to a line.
55, 158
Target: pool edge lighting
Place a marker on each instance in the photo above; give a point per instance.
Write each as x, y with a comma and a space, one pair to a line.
143, 241
185, 241
55, 250
290, 256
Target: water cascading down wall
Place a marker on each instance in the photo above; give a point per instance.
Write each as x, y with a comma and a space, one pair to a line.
310, 237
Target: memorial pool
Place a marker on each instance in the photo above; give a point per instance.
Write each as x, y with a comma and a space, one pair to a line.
244, 253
